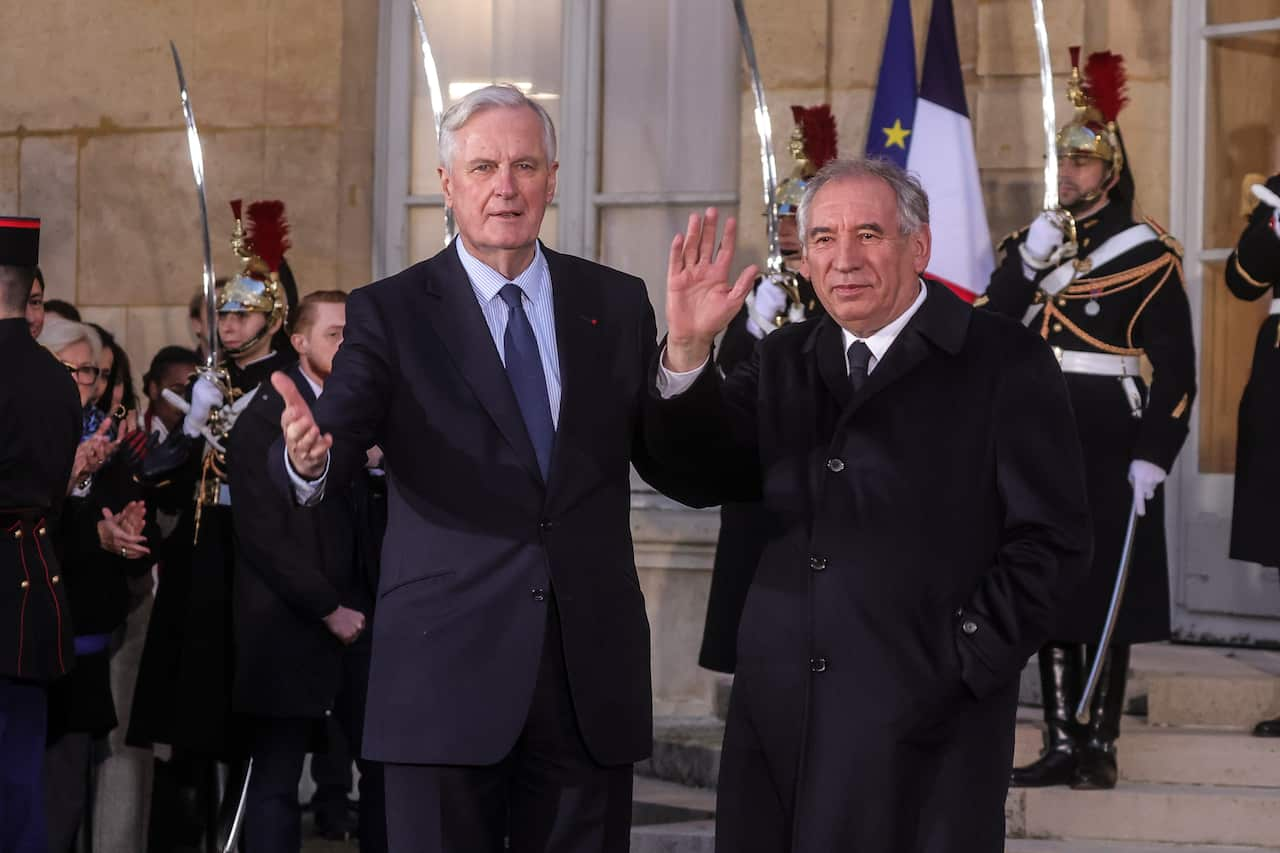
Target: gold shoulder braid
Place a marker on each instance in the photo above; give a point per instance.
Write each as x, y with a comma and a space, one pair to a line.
1106, 286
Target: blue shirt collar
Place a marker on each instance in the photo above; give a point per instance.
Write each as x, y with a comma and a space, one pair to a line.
486, 281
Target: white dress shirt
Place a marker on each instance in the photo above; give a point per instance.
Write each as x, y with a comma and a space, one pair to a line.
671, 383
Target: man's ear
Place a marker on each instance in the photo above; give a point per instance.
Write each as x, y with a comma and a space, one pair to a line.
921, 243
446, 185
299, 342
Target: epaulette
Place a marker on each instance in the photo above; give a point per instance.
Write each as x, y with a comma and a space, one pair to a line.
1014, 236
1170, 242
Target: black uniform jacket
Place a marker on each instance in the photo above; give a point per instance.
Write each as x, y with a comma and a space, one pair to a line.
478, 545
294, 566
1253, 272
922, 532
39, 431
1139, 307
743, 526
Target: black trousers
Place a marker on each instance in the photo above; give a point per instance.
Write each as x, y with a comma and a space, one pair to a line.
273, 816
546, 796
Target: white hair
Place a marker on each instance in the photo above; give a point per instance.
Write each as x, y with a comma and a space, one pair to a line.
912, 201
59, 333
490, 97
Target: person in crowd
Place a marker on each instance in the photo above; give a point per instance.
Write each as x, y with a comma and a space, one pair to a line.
1105, 291
171, 370
1253, 272
38, 437
99, 543
303, 606
62, 308
509, 689
183, 697
35, 305
908, 575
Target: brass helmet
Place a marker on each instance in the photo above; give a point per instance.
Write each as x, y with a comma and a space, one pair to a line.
812, 144
1097, 97
259, 241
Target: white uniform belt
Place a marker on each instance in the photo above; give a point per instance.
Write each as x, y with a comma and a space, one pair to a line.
1097, 363
1275, 306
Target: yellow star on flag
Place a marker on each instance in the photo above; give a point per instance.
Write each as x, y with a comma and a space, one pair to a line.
896, 135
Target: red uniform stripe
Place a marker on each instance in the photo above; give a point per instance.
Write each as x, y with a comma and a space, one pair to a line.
57, 607
26, 591
19, 222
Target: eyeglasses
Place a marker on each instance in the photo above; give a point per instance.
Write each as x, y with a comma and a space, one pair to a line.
85, 374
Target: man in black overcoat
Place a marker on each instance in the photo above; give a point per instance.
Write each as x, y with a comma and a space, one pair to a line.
920, 465
302, 605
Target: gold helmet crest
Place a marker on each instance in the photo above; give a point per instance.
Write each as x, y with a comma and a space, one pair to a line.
1097, 96
259, 241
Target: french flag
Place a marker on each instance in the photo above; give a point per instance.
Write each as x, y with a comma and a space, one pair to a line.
940, 151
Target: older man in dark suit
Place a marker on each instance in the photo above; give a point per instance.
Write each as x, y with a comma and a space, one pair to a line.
921, 472
509, 691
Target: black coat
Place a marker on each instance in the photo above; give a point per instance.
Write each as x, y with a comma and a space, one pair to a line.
39, 430
294, 566
923, 532
1143, 310
185, 677
743, 526
1253, 272
477, 545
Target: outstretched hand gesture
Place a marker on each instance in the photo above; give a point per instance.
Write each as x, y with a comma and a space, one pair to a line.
700, 302
307, 447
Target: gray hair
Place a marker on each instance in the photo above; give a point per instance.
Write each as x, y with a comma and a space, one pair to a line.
490, 97
58, 334
913, 202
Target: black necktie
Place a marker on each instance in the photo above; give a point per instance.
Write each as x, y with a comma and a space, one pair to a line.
528, 381
859, 362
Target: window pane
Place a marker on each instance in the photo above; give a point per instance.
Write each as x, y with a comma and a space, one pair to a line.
1242, 122
669, 112
1239, 11
1230, 329
476, 43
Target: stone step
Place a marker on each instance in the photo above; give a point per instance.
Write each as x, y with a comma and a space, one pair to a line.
686, 751
1144, 812
1206, 685
671, 818
1075, 845
1179, 756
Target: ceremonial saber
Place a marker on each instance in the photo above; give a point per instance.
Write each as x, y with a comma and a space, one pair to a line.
1113, 614
1048, 109
764, 130
197, 169
436, 94
237, 819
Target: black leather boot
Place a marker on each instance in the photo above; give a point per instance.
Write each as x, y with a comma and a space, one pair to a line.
1060, 680
1267, 728
1096, 769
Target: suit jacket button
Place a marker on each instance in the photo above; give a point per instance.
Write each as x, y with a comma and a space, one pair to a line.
538, 594
25, 585
41, 531
545, 525
17, 534
817, 563
969, 627
56, 578
836, 465
817, 664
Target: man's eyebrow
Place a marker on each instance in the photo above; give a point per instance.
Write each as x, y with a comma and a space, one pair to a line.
871, 226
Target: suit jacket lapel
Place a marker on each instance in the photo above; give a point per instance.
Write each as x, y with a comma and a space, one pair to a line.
458, 321
304, 387
576, 304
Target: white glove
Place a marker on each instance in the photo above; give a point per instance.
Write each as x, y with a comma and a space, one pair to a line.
1044, 246
205, 397
1145, 477
767, 302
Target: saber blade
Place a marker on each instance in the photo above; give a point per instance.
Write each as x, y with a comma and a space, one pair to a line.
196, 153
1047, 108
764, 131
436, 93
1113, 614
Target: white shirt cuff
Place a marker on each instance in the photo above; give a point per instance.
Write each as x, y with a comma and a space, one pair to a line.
672, 384
306, 492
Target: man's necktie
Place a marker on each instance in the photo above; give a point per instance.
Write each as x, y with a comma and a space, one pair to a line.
524, 369
859, 361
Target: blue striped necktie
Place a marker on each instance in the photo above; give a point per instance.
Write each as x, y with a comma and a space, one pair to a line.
528, 381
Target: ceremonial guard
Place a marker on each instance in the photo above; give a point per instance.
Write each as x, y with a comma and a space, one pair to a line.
39, 431
1105, 291
1253, 272
183, 697
778, 299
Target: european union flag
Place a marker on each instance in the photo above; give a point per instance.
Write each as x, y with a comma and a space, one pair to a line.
893, 114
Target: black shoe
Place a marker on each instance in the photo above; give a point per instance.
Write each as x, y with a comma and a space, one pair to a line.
1052, 768
334, 820
1267, 728
1060, 675
1096, 769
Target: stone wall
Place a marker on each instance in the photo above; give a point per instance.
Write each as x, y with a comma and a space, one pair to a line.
92, 141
